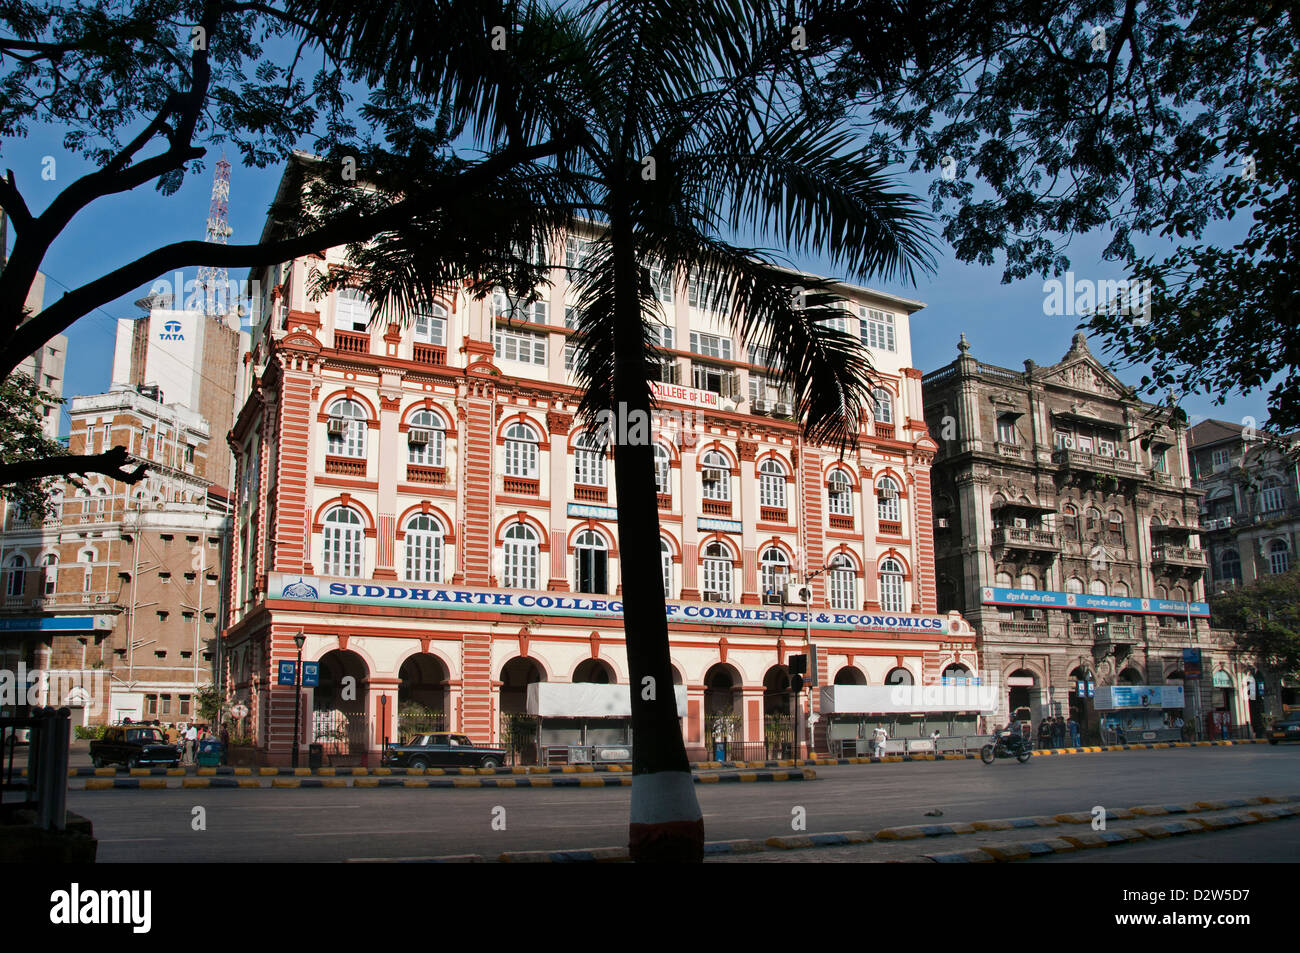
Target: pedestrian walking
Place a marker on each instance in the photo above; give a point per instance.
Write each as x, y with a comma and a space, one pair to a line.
881, 736
934, 739
192, 742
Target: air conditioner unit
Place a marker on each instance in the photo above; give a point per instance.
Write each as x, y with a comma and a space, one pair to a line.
1068, 443
101, 598
37, 603
941, 523
1123, 454
712, 596
337, 425
771, 598
1020, 523
419, 437
797, 594
887, 493
782, 409
1036, 614
760, 405
713, 475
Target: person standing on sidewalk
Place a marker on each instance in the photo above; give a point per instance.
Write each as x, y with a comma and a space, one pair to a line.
1073, 725
192, 743
881, 736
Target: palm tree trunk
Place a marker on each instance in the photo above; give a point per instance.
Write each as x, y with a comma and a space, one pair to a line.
666, 822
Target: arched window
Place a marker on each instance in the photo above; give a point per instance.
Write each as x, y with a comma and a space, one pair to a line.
342, 543
87, 559
1092, 519
1002, 580
663, 469
16, 582
588, 462
774, 568
347, 429
771, 483
431, 327
1230, 565
887, 500
1097, 588
101, 501
666, 566
891, 586
1028, 581
1074, 584
1270, 495
882, 402
839, 493
521, 452
1279, 557
717, 573
591, 562
844, 583
424, 538
1121, 588
352, 312
715, 475
1162, 593
899, 676
51, 573
425, 440
521, 556
1070, 521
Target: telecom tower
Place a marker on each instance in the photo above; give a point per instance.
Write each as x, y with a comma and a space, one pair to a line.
214, 281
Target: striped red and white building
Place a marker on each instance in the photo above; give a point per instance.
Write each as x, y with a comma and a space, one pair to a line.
422, 505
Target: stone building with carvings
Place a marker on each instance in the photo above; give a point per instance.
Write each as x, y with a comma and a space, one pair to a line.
1067, 530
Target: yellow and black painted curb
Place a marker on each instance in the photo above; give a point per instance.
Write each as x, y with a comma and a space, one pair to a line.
581, 769
1252, 810
362, 781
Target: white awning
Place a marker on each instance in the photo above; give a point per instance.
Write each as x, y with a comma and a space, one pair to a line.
587, 700
907, 699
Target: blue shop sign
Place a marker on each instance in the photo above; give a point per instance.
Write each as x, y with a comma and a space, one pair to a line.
286, 674
1085, 602
310, 674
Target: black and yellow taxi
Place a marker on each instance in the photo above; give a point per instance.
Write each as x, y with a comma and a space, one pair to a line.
1286, 728
442, 749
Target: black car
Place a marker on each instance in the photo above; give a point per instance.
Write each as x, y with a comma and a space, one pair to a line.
134, 747
442, 749
1285, 729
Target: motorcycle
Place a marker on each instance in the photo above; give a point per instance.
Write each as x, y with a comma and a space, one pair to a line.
1006, 744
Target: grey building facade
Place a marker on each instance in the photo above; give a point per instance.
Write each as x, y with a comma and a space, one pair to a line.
1067, 530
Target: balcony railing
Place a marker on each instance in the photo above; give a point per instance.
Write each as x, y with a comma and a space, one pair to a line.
590, 494
716, 507
665, 501
841, 521
352, 342
1011, 450
885, 431
1095, 462
1178, 555
891, 528
772, 514
345, 466
1113, 632
430, 354
1014, 537
523, 486
435, 476
1013, 627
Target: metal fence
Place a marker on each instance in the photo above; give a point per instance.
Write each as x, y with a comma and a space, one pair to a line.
340, 732
410, 724
44, 789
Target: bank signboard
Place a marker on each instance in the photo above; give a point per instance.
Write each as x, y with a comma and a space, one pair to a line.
1115, 697
1084, 602
460, 599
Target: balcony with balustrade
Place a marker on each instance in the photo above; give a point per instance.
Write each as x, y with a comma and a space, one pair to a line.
1026, 539
1088, 462
351, 342
1180, 557
346, 466
521, 486
433, 476
430, 354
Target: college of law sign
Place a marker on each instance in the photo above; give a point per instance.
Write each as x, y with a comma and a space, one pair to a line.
690, 396
370, 592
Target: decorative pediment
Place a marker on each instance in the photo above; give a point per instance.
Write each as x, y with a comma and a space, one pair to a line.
1086, 374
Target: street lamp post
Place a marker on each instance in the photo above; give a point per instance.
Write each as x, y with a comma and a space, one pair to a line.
298, 640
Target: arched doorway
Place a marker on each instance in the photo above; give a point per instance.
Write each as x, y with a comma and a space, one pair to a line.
594, 671
517, 731
956, 674
340, 705
722, 699
778, 713
850, 675
1083, 687
1023, 698
422, 696
1130, 676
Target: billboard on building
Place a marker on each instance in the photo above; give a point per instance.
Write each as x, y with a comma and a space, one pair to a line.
1084, 602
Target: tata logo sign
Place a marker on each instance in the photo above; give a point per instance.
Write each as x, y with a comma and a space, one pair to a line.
171, 331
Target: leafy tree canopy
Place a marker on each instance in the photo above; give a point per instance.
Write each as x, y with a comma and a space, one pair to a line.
23, 438
1266, 616
1159, 123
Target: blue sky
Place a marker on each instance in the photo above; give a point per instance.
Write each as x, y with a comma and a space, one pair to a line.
1005, 324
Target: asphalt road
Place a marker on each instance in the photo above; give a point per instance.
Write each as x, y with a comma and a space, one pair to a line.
342, 824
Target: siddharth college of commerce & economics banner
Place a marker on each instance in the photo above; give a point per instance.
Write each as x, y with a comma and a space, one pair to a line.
369, 592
